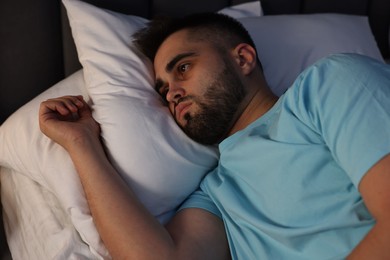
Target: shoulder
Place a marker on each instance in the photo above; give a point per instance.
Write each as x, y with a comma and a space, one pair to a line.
348, 69
346, 62
332, 89
337, 76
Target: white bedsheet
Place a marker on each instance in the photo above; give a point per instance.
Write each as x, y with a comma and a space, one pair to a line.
36, 225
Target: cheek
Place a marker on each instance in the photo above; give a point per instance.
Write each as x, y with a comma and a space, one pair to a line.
204, 82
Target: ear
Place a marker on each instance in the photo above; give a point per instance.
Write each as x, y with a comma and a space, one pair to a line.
245, 57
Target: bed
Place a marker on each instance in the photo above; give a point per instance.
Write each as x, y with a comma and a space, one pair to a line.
52, 48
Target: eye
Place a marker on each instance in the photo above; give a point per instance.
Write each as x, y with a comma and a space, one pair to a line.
162, 88
183, 67
163, 91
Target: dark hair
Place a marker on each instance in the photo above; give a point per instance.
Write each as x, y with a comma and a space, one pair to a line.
218, 29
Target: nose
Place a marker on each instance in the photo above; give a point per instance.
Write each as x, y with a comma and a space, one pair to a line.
175, 92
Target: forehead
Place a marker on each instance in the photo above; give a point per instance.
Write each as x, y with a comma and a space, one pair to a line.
176, 43
172, 42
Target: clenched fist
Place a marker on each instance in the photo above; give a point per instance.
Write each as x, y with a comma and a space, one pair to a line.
67, 120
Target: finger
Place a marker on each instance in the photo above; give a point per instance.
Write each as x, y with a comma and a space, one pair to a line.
53, 107
85, 111
73, 103
79, 101
63, 105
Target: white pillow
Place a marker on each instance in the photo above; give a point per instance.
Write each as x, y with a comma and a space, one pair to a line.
24, 148
287, 44
27, 151
160, 163
249, 9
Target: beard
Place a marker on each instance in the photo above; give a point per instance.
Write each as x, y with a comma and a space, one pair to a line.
218, 107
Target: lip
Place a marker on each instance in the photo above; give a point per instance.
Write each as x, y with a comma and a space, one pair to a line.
181, 109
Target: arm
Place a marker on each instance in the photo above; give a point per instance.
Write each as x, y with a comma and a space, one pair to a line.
125, 226
375, 190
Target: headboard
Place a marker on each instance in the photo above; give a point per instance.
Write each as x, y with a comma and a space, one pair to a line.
36, 47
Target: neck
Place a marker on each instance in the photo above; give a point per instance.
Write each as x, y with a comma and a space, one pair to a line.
259, 103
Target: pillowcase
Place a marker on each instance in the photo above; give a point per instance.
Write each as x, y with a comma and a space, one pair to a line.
24, 148
160, 163
287, 44
249, 9
153, 155
27, 151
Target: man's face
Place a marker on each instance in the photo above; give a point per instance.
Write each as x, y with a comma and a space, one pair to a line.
202, 87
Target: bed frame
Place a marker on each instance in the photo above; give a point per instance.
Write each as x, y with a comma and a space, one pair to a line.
36, 47
37, 50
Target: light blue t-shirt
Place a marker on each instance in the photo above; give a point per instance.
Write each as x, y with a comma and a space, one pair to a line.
286, 186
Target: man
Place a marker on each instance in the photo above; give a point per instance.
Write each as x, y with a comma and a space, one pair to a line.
293, 172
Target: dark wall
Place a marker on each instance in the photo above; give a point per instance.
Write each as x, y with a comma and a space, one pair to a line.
30, 51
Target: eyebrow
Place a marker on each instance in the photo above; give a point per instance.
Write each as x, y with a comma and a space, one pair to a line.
176, 59
171, 64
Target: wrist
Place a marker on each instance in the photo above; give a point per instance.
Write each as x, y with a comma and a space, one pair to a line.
83, 144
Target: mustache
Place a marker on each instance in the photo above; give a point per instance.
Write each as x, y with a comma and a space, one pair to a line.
180, 100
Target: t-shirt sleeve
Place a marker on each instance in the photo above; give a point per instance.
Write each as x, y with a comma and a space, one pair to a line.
200, 199
346, 99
